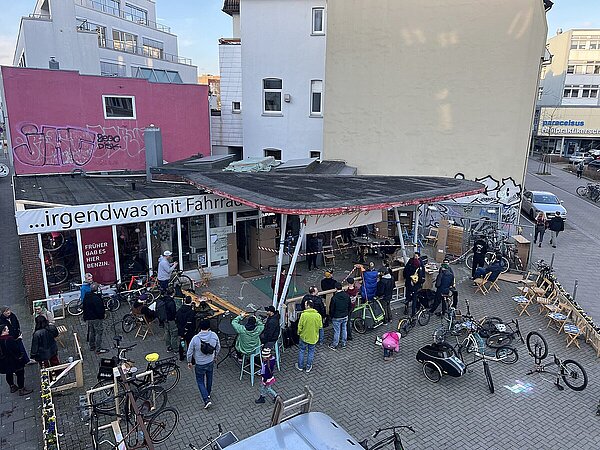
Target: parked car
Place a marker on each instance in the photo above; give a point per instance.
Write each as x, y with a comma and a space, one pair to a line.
576, 159
594, 165
536, 201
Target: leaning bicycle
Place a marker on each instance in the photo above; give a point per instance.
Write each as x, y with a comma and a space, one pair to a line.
394, 438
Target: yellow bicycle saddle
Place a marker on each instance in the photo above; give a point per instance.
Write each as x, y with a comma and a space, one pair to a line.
152, 357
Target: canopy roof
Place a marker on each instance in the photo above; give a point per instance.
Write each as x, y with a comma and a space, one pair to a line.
309, 193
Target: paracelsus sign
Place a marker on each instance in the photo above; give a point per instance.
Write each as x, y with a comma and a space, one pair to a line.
44, 220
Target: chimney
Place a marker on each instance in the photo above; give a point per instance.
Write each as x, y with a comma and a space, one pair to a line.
154, 151
53, 64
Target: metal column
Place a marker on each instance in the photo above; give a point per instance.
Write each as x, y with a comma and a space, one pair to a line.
280, 257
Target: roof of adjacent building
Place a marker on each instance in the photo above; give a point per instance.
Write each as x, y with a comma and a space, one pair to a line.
310, 193
231, 7
84, 190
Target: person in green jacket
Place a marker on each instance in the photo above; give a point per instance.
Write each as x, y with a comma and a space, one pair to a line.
308, 329
248, 338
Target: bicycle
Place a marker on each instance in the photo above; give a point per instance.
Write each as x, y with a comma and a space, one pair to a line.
221, 441
422, 316
165, 372
394, 438
572, 373
111, 302
505, 334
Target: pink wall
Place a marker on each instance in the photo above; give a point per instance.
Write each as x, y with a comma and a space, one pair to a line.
57, 123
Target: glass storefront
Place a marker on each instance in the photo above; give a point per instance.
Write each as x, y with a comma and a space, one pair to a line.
133, 250
193, 242
221, 225
163, 236
61, 260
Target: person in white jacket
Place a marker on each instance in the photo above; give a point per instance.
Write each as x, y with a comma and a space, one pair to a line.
165, 268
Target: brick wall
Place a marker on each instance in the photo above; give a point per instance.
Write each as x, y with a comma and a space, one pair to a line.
33, 280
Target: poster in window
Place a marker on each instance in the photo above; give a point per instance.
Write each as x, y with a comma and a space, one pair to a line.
98, 254
218, 243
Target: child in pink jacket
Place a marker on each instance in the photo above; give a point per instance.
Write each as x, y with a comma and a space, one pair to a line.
390, 342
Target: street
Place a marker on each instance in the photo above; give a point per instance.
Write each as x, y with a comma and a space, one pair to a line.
577, 256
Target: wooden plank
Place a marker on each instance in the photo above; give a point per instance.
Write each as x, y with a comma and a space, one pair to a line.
222, 303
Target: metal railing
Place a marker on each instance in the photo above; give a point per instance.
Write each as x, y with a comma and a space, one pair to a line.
40, 16
149, 52
117, 12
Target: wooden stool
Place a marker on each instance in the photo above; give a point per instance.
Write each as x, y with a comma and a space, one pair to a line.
62, 330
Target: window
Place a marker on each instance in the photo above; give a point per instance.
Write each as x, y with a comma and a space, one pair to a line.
118, 107
135, 14
590, 92
163, 236
236, 107
316, 98
133, 249
152, 48
571, 69
315, 154
272, 95
540, 92
594, 45
580, 70
61, 260
111, 69
571, 93
273, 152
157, 75
193, 242
124, 41
108, 6
318, 21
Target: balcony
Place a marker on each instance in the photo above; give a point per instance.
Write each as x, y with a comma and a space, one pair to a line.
117, 12
40, 16
148, 52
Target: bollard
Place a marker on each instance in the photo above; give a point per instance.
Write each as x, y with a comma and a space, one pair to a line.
552, 261
575, 289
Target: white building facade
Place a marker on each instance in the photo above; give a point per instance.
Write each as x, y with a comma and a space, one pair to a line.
283, 75
102, 37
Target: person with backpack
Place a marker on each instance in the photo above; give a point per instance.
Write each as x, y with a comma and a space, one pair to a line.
43, 343
267, 379
319, 306
203, 350
443, 284
12, 362
185, 320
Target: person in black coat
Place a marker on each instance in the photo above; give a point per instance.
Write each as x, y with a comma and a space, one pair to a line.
312, 249
443, 284
480, 248
328, 283
8, 318
414, 277
12, 361
339, 310
94, 313
385, 289
43, 343
270, 334
169, 315
556, 225
185, 318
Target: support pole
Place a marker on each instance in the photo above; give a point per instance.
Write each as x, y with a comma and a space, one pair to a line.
280, 257
416, 228
399, 230
292, 264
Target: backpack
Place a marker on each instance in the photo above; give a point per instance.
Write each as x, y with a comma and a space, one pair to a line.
390, 340
207, 348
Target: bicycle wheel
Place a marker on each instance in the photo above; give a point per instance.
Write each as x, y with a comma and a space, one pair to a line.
113, 303
104, 399
469, 261
359, 325
75, 307
404, 326
52, 241
151, 400
128, 323
167, 375
499, 340
162, 424
505, 265
488, 326
507, 355
469, 344
582, 191
423, 317
432, 372
184, 282
537, 345
488, 376
56, 274
574, 375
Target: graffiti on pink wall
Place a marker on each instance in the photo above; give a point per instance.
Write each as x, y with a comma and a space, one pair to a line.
46, 145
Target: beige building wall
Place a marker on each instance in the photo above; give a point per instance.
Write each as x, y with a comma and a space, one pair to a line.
433, 87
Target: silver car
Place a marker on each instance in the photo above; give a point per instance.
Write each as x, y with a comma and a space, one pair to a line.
536, 201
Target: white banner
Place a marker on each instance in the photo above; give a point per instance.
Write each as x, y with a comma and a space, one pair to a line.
329, 222
44, 220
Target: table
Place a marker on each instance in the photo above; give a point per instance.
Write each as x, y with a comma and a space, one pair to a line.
229, 335
364, 245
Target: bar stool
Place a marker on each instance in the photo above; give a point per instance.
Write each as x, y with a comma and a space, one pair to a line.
251, 369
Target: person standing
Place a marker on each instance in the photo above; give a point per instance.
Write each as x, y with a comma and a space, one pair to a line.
339, 309
8, 318
309, 328
480, 248
204, 348
94, 313
443, 285
580, 168
170, 313
43, 343
248, 339
165, 269
556, 225
352, 289
185, 318
319, 306
385, 289
270, 334
39, 309
86, 286
312, 249
12, 362
414, 277
267, 379
540, 227
328, 283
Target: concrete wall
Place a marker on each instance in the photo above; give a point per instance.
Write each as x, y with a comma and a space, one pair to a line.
227, 128
423, 87
277, 43
57, 123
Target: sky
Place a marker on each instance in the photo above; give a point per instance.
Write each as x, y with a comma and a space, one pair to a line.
200, 23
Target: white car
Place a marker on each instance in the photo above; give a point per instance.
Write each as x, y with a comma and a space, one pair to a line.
536, 201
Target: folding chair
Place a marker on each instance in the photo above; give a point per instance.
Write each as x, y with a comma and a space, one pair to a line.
573, 331
494, 284
559, 318
481, 283
342, 246
62, 330
549, 303
522, 302
328, 255
205, 277
144, 328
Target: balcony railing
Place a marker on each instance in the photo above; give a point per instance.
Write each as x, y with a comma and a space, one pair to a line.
40, 16
117, 12
149, 52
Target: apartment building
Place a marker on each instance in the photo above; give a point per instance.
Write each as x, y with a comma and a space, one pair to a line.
568, 116
118, 38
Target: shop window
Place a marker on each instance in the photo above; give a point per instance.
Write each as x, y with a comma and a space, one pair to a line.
221, 225
133, 250
163, 236
61, 260
193, 242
